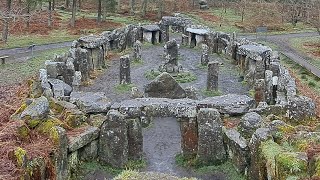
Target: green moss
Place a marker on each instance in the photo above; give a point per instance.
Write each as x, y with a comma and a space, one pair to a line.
185, 77
289, 164
23, 132
129, 175
211, 93
46, 126
136, 164
137, 62
33, 123
150, 75
252, 92
270, 150
21, 109
317, 166
20, 155
54, 135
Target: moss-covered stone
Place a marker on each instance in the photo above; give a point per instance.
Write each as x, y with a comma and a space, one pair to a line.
16, 114
23, 132
290, 164
74, 118
270, 150
20, 156
32, 123
45, 126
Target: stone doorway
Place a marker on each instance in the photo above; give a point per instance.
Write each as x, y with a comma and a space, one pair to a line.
193, 40
161, 143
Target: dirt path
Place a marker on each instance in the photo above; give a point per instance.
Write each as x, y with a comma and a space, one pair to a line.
282, 41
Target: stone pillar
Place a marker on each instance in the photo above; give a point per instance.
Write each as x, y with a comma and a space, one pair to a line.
125, 70
211, 149
135, 139
61, 152
269, 86
212, 79
164, 33
113, 140
189, 136
204, 55
259, 91
137, 50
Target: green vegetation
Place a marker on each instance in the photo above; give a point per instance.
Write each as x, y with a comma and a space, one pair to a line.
129, 175
20, 71
26, 40
227, 168
137, 62
289, 164
185, 77
211, 93
20, 155
150, 75
123, 88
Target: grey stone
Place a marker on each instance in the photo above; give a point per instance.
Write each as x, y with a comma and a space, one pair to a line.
77, 79
125, 70
238, 150
96, 120
259, 90
60, 156
301, 108
210, 145
89, 102
164, 86
113, 140
81, 63
232, 104
135, 139
137, 50
191, 93
55, 69
86, 137
136, 93
56, 83
89, 152
171, 51
204, 55
38, 109
249, 123
213, 73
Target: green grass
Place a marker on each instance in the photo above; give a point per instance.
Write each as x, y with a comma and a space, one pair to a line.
306, 77
20, 71
211, 93
183, 77
227, 168
27, 40
137, 62
299, 45
123, 88
150, 75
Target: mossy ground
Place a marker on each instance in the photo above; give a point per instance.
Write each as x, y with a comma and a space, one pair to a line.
209, 93
123, 88
182, 77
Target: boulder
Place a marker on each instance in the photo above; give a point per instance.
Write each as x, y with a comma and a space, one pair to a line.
86, 137
57, 83
300, 108
232, 104
89, 102
249, 123
89, 151
165, 86
38, 109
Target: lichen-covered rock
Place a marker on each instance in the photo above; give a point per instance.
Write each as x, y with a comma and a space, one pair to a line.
238, 149
89, 102
164, 86
249, 123
96, 120
86, 137
56, 83
74, 117
301, 108
135, 139
113, 140
211, 149
55, 69
189, 136
38, 109
89, 151
60, 157
232, 104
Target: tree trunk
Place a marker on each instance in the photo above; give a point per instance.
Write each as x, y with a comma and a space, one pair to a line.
144, 7
50, 14
132, 3
53, 4
67, 4
79, 4
73, 17
28, 18
160, 8
6, 22
99, 11
119, 5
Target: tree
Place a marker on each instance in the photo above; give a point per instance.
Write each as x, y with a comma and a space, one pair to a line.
50, 13
144, 8
160, 8
6, 19
132, 7
73, 16
99, 11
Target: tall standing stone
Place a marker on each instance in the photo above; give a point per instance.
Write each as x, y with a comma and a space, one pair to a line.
125, 70
189, 136
113, 140
259, 89
213, 72
137, 50
211, 149
135, 139
204, 55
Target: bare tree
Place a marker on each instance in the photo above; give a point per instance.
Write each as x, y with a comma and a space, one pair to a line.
50, 14
6, 19
132, 7
99, 11
73, 17
144, 8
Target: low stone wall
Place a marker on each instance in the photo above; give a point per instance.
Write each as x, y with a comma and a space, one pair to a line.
114, 131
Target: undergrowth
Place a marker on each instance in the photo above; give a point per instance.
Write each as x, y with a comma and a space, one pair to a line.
123, 88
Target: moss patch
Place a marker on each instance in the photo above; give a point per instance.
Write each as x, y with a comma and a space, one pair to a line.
123, 88
129, 175
185, 77
150, 75
289, 164
211, 93
20, 155
46, 126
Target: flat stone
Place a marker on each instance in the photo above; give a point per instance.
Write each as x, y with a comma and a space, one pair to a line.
90, 134
57, 82
38, 109
90, 102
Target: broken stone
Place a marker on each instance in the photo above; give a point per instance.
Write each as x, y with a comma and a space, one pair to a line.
189, 136
60, 157
89, 102
210, 145
164, 86
57, 84
300, 108
136, 93
259, 89
204, 55
137, 50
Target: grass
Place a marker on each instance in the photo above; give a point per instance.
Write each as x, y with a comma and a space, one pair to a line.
300, 44
20, 71
150, 75
137, 62
123, 88
211, 93
227, 168
27, 40
182, 77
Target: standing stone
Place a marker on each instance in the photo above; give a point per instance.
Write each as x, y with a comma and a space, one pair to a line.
212, 79
269, 86
259, 89
189, 136
171, 55
210, 145
76, 80
125, 70
58, 134
301, 108
135, 139
204, 55
137, 50
113, 140
249, 123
